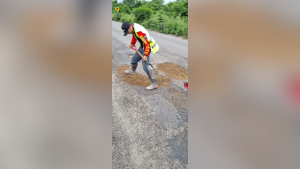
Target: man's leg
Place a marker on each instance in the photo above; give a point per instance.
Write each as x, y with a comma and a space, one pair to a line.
151, 74
134, 62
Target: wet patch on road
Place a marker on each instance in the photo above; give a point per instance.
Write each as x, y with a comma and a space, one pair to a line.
179, 145
172, 118
178, 99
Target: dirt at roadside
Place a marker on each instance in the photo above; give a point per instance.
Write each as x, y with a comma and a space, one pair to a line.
140, 80
173, 70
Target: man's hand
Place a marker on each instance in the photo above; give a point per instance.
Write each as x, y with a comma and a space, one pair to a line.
131, 46
144, 58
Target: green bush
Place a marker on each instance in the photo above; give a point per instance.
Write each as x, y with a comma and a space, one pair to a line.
146, 23
155, 5
116, 16
165, 24
179, 8
127, 17
142, 13
158, 21
170, 19
113, 16
137, 4
125, 9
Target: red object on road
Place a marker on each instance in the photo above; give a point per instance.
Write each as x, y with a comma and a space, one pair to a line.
186, 85
295, 90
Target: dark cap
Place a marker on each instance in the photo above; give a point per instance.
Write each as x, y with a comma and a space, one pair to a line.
125, 27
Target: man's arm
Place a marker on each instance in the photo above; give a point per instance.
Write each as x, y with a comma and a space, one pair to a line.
133, 40
146, 47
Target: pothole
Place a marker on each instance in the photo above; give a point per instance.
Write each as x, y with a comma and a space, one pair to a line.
173, 70
141, 80
130, 56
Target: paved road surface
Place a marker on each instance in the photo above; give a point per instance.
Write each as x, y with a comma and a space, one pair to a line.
149, 130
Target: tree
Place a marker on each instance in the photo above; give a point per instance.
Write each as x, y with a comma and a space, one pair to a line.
125, 9
142, 13
161, 2
155, 5
137, 4
131, 2
114, 4
179, 8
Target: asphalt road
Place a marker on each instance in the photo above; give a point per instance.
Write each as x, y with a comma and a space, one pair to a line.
149, 129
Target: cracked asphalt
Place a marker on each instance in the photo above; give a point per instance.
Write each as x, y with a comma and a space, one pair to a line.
149, 130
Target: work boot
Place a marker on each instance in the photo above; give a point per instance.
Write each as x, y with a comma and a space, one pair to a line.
152, 86
132, 69
153, 83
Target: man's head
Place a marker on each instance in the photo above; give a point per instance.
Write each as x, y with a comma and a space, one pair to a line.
127, 28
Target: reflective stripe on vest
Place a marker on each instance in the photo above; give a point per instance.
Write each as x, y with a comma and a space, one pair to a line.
150, 38
154, 46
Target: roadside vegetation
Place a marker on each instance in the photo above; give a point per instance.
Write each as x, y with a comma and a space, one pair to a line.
171, 18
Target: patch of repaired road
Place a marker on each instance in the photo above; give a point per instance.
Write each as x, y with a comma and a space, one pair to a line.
140, 80
173, 70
